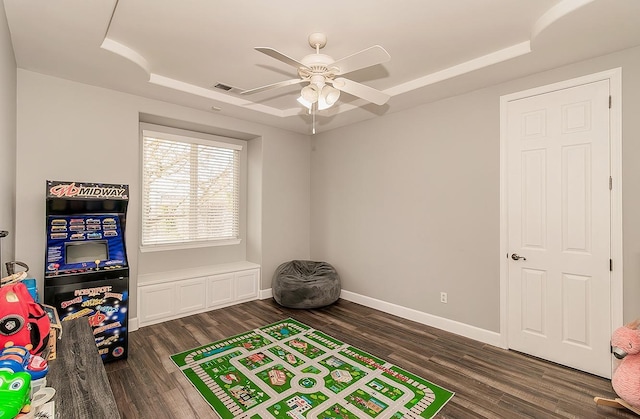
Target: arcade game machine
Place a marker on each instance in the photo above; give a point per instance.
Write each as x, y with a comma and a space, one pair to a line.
86, 270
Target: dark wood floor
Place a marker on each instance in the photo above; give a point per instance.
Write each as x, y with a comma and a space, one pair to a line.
489, 382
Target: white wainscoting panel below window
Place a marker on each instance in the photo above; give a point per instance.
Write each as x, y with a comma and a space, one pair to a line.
171, 295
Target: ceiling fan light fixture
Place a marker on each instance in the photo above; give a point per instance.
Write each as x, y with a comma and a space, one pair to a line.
323, 104
310, 93
330, 95
301, 100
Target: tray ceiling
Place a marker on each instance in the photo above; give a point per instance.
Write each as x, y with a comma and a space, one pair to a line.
177, 51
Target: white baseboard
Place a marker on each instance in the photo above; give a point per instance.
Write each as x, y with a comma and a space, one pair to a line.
265, 294
133, 324
462, 329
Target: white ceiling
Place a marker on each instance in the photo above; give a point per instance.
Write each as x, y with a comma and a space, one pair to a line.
177, 50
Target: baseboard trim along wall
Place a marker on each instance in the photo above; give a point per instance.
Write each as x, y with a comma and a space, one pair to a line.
133, 324
462, 329
264, 294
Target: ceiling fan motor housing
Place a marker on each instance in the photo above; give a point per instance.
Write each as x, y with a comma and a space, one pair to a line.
318, 69
317, 62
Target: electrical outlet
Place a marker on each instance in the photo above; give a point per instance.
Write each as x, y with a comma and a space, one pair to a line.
443, 297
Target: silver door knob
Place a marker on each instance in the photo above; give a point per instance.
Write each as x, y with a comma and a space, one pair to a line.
515, 256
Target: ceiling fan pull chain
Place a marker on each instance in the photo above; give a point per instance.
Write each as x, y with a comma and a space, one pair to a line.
313, 117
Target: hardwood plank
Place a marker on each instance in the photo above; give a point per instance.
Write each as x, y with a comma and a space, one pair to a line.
82, 386
489, 382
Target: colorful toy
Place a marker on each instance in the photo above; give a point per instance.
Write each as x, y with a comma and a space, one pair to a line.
19, 359
14, 393
626, 378
22, 321
625, 342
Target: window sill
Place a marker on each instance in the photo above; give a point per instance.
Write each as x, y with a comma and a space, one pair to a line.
184, 246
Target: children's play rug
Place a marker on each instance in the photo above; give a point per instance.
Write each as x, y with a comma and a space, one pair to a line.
290, 370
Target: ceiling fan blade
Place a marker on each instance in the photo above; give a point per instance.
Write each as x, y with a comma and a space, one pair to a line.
360, 90
272, 86
281, 57
365, 58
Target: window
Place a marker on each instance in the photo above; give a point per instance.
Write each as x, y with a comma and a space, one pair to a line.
190, 189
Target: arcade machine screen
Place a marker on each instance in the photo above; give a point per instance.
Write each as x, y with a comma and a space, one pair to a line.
86, 252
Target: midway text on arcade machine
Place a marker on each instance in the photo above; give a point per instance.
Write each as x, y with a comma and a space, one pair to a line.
86, 270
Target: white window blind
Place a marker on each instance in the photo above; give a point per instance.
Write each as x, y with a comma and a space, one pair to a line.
190, 190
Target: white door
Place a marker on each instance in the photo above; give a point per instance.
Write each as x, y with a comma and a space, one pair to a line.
558, 194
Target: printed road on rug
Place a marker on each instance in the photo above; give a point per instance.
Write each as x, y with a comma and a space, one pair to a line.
290, 370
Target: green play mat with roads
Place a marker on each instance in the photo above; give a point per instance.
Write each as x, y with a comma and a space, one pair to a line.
290, 370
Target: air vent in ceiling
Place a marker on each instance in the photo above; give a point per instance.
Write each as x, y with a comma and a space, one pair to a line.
223, 87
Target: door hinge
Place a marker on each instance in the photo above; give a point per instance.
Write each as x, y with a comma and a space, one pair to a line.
610, 265
610, 183
609, 101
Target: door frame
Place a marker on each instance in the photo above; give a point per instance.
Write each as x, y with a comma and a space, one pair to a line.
615, 131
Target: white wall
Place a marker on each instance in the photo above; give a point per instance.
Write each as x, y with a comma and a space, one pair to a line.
254, 193
286, 212
7, 142
404, 206
407, 205
75, 132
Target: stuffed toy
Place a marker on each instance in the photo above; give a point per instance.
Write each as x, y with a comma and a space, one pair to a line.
626, 378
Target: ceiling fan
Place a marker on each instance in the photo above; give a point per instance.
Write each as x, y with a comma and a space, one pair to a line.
320, 73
